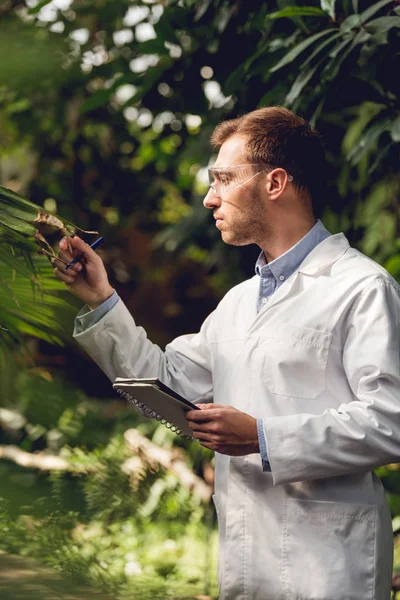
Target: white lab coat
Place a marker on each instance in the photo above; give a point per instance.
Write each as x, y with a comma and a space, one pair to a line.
320, 365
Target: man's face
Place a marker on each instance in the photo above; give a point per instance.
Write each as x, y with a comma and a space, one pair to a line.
240, 213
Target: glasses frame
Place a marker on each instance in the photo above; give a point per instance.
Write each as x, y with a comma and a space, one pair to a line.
212, 170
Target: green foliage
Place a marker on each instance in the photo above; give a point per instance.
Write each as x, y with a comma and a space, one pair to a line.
114, 540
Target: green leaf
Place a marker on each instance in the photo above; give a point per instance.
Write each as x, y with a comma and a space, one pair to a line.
318, 50
395, 130
234, 79
382, 24
329, 7
202, 9
297, 50
102, 97
38, 7
368, 140
7, 258
351, 22
301, 81
369, 12
366, 112
297, 11
332, 69
149, 80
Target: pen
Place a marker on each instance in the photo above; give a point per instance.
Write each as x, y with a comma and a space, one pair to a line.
93, 246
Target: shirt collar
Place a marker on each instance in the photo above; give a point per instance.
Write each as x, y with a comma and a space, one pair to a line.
286, 264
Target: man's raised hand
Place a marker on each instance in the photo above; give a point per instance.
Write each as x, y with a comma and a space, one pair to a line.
86, 279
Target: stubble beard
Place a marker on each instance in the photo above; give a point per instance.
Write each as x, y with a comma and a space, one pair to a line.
248, 226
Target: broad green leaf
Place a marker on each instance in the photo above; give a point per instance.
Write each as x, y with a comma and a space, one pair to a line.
368, 140
382, 24
156, 46
297, 50
99, 98
351, 22
369, 12
367, 111
297, 11
395, 130
329, 7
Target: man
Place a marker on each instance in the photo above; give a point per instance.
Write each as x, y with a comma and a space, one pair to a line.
297, 370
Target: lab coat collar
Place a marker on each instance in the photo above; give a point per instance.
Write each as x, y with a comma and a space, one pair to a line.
325, 254
318, 260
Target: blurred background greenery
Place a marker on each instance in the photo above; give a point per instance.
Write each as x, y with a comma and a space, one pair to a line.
106, 109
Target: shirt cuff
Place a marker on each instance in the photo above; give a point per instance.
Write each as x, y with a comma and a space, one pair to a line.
263, 446
87, 318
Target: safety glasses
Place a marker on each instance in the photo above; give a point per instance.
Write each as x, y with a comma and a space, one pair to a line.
225, 179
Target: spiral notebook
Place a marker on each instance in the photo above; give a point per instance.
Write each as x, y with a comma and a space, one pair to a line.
156, 400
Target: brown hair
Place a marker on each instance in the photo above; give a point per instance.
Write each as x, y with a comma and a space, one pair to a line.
279, 138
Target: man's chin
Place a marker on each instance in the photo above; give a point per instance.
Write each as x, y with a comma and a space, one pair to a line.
232, 240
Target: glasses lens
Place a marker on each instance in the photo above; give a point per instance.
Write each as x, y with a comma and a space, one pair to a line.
223, 180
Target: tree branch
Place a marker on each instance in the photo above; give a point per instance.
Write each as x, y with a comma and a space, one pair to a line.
41, 461
171, 460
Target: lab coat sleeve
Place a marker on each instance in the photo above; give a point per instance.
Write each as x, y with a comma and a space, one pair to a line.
121, 349
365, 432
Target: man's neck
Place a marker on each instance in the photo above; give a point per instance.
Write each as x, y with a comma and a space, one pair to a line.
283, 240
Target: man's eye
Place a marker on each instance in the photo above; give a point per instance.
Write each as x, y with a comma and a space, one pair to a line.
224, 179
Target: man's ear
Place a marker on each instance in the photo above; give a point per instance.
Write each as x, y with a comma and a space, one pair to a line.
277, 181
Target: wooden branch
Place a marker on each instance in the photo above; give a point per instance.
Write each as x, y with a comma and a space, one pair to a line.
147, 456
41, 461
171, 460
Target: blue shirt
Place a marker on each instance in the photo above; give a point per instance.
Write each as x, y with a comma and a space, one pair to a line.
272, 276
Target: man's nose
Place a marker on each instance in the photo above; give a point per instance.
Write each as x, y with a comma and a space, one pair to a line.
212, 200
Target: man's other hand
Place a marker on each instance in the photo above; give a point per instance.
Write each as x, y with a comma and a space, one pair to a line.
224, 429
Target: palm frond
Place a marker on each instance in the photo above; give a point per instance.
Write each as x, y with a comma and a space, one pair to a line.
32, 301
46, 314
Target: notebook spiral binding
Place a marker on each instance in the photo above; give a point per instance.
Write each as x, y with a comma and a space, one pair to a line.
153, 414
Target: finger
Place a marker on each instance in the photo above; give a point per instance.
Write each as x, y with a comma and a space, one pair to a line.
84, 248
209, 445
201, 436
65, 250
66, 255
207, 427
62, 276
61, 266
201, 416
